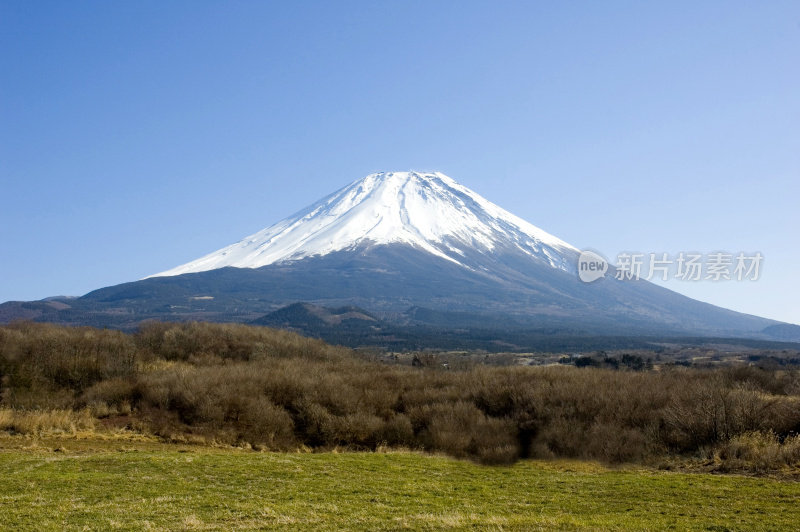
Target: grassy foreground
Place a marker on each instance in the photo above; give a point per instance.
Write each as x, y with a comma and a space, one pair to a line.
156, 486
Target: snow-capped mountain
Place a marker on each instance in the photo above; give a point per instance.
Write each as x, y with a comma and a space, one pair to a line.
428, 211
416, 249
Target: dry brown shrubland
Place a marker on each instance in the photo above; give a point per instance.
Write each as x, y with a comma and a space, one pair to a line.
39, 422
759, 452
274, 389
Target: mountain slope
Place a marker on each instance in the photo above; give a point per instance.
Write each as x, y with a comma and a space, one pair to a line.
391, 278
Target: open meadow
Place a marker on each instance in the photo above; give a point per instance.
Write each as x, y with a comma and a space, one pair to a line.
125, 485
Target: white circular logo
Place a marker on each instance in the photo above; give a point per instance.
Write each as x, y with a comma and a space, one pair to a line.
591, 266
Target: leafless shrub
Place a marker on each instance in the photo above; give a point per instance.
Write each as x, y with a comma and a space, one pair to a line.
38, 422
759, 452
273, 389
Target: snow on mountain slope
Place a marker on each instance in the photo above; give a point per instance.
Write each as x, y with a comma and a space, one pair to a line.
429, 211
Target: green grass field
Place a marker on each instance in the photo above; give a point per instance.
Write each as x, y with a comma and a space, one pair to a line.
157, 486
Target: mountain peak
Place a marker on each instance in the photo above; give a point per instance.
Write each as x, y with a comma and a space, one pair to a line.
411, 175
427, 210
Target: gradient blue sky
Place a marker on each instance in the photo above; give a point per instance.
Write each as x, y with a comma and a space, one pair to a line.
135, 136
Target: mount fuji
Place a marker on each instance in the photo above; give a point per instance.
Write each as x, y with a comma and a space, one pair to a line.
408, 248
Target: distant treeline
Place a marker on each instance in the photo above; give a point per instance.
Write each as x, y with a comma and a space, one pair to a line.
273, 389
497, 339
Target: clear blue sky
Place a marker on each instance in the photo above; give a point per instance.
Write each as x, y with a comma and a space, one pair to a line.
135, 136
